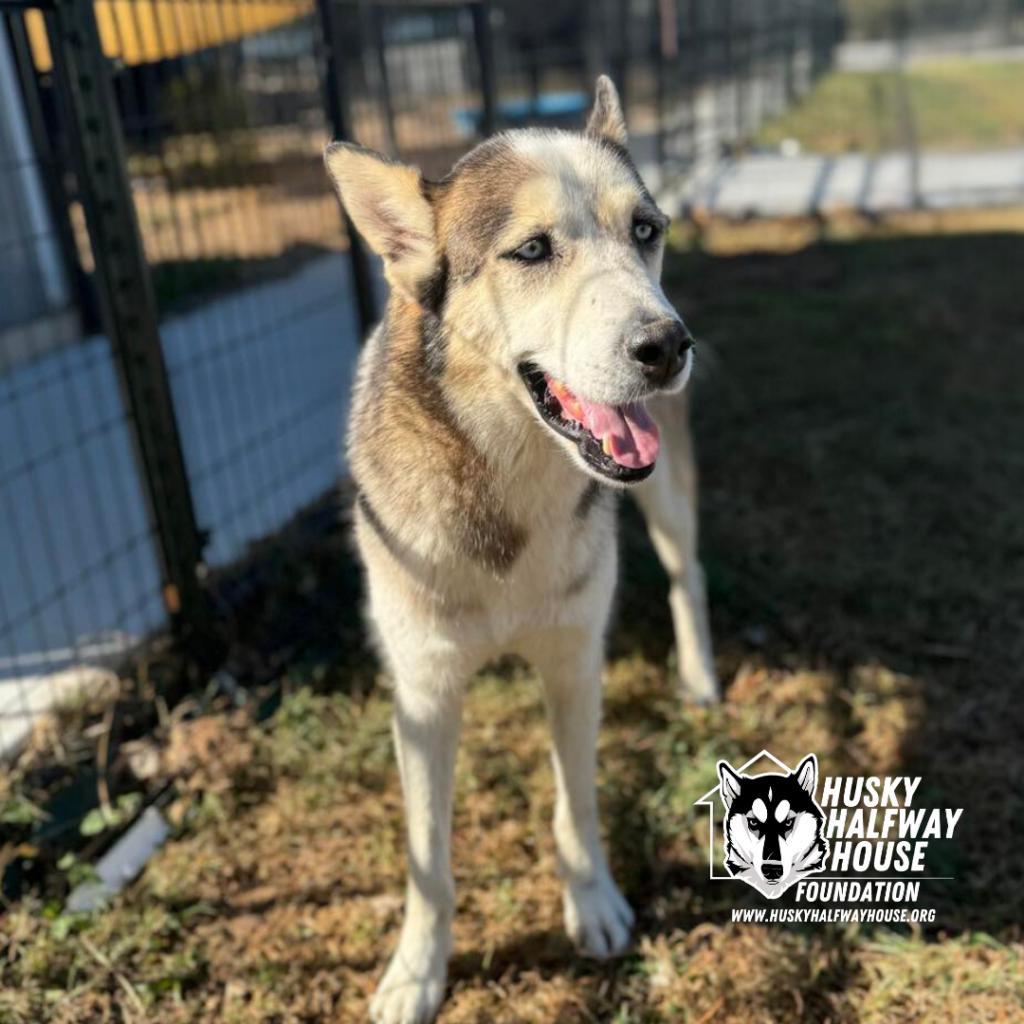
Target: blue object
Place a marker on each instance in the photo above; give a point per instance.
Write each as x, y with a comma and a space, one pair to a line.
518, 111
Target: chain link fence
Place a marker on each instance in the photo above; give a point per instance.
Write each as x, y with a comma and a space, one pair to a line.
920, 111
173, 396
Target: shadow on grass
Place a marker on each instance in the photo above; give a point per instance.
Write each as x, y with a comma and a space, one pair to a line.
859, 414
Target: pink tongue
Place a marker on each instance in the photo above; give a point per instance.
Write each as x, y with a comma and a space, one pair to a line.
628, 433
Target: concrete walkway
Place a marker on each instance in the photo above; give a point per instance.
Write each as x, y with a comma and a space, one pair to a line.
762, 185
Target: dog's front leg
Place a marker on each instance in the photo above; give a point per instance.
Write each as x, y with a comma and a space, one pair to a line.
597, 917
668, 501
426, 731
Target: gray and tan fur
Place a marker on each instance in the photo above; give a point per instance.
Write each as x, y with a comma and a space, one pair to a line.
483, 531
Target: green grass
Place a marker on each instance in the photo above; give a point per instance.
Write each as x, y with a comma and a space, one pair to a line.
957, 104
858, 414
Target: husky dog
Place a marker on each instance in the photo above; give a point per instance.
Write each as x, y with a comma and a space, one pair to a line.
773, 827
528, 363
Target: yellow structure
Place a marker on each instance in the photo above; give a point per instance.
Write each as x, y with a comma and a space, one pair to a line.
143, 31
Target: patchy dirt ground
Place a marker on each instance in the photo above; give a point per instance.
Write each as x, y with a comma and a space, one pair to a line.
860, 415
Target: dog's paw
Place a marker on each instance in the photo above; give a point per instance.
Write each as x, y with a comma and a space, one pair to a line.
598, 918
413, 985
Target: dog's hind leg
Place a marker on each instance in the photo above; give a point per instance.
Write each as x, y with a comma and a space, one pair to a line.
668, 501
426, 729
597, 917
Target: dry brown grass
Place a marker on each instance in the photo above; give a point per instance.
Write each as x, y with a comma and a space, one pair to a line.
281, 895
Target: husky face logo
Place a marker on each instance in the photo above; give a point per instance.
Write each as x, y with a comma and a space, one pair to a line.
773, 827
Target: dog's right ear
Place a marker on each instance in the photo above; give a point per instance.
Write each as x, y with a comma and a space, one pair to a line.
606, 119
388, 205
729, 782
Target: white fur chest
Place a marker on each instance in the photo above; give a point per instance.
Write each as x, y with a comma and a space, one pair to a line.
565, 572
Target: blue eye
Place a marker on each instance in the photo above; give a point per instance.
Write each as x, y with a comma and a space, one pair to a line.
534, 250
644, 231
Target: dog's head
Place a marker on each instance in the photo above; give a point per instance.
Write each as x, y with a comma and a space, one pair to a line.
773, 827
543, 249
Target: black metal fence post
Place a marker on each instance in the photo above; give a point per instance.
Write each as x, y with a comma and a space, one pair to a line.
728, 80
484, 40
593, 43
789, 51
901, 16
338, 116
129, 315
620, 53
373, 19
44, 149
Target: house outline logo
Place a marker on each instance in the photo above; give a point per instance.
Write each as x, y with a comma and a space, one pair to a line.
763, 800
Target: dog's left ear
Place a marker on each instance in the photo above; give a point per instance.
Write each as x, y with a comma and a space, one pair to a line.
807, 775
388, 205
606, 120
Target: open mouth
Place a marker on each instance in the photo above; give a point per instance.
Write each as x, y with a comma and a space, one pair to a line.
618, 441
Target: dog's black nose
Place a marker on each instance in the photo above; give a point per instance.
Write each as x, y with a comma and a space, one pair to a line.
771, 872
660, 348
